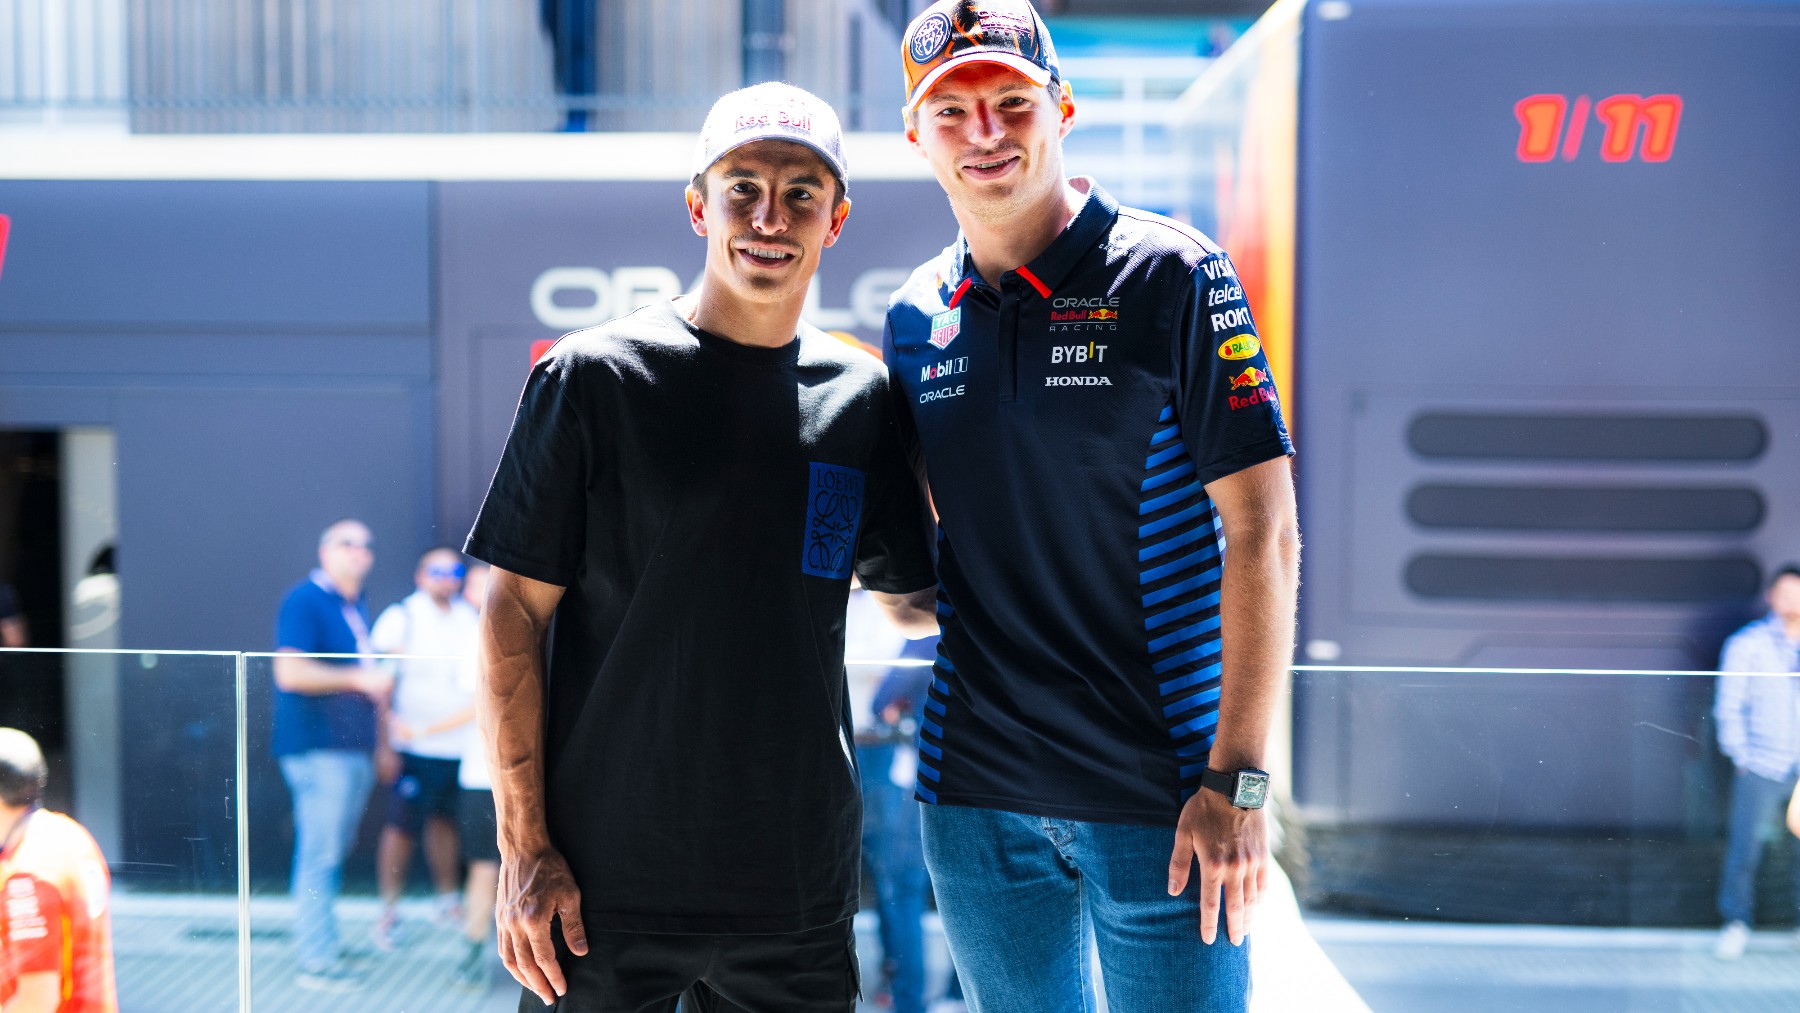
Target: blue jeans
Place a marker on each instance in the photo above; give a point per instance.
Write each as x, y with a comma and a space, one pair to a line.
330, 789
890, 840
1024, 897
1755, 801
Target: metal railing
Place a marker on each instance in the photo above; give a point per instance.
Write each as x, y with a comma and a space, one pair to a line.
459, 66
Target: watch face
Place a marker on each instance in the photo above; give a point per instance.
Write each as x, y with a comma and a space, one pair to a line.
1252, 790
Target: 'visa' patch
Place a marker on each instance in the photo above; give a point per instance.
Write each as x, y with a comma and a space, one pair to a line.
945, 327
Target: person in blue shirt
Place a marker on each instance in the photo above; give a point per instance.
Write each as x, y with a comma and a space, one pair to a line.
1096, 418
1758, 718
325, 736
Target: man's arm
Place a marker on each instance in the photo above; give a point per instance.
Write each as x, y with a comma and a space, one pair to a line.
12, 632
312, 676
1731, 702
915, 613
1259, 589
535, 882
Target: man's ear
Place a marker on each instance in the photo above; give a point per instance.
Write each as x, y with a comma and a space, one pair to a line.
696, 206
837, 221
912, 135
1067, 106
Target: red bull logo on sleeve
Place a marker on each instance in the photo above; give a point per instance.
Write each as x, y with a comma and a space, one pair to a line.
1250, 377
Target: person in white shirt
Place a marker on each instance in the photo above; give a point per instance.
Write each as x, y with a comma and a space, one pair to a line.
480, 829
1757, 711
430, 726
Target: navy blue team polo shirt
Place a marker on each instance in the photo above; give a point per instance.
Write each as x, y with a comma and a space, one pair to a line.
1069, 421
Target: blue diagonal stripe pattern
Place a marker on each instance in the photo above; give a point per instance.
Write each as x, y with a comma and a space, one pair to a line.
930, 738
1181, 561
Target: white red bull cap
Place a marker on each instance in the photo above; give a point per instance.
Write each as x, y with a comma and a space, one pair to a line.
772, 112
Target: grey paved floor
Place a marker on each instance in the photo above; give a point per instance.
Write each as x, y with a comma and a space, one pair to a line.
178, 954
1425, 968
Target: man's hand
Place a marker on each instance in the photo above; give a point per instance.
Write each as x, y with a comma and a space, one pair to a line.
1232, 846
533, 888
401, 731
374, 682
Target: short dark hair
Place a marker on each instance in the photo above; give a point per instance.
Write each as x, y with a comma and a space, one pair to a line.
1787, 570
23, 775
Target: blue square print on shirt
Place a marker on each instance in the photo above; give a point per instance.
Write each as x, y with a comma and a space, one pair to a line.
833, 513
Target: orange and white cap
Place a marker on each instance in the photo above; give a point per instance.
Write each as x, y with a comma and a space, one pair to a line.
951, 33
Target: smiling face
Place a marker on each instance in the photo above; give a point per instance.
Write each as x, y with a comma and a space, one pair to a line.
994, 140
767, 209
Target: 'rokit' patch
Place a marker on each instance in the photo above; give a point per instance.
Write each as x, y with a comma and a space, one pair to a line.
945, 327
834, 504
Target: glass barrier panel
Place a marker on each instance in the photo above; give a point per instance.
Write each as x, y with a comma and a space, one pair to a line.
141, 749
330, 818
1544, 840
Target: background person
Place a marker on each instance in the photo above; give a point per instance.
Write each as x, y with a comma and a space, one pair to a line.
12, 619
481, 845
326, 733
429, 726
890, 830
55, 905
1758, 718
686, 491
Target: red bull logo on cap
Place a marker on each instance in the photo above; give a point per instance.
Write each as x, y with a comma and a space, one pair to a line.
1250, 377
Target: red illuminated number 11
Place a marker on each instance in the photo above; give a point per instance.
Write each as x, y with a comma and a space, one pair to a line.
1542, 117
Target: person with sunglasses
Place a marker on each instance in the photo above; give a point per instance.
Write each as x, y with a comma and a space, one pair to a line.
325, 734
428, 728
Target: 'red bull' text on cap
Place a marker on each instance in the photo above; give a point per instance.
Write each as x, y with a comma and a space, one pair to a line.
772, 111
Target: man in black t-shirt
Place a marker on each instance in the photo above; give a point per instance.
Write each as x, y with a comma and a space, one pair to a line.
687, 491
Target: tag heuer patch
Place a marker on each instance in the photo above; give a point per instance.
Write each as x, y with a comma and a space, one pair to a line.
945, 326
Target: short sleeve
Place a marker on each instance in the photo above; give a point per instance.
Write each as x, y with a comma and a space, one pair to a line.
894, 554
9, 602
297, 626
389, 634
907, 427
533, 519
33, 910
1225, 398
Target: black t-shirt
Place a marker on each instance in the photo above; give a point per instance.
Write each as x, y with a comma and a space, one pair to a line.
704, 504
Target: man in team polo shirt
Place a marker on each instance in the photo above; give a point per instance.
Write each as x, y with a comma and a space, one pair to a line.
687, 491
1097, 420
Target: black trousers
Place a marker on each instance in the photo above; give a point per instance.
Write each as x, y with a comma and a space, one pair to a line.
813, 971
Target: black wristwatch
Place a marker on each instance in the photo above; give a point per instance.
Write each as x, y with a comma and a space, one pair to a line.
1247, 788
